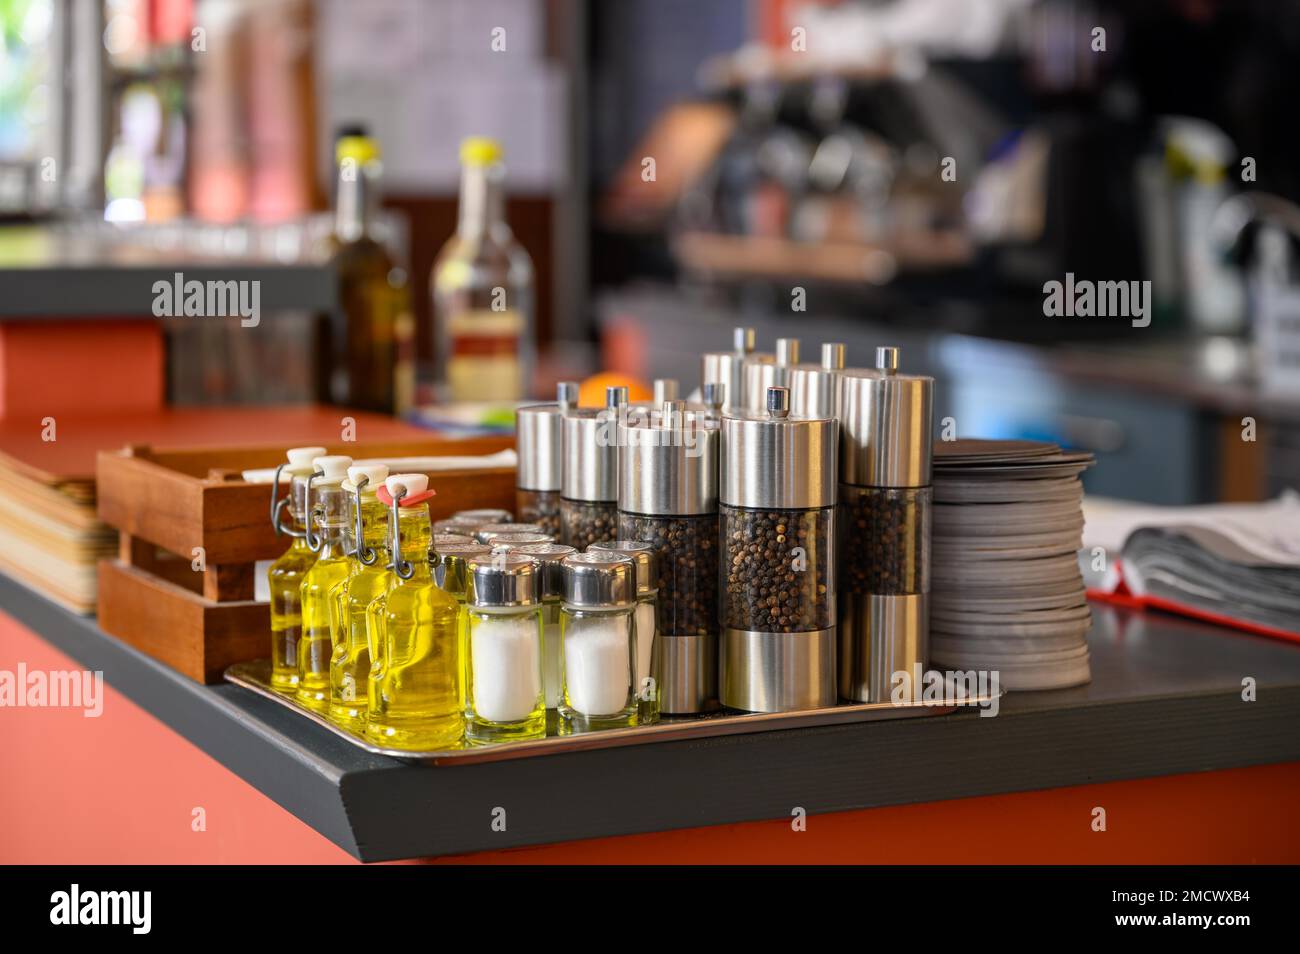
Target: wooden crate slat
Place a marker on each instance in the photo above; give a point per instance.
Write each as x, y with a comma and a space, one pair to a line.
149, 501
201, 621
197, 461
194, 636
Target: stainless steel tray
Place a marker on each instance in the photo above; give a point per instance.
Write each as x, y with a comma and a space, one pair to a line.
256, 677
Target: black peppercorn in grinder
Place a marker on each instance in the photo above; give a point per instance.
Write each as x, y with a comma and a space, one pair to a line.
885, 502
668, 498
776, 548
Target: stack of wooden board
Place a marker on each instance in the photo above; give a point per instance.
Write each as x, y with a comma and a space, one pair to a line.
50, 535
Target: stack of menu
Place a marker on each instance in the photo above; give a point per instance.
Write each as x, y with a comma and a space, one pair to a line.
51, 537
1237, 564
1006, 590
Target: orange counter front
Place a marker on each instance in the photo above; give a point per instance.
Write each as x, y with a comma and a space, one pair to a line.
125, 788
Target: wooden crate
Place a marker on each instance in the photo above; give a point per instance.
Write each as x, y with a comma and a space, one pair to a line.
164, 504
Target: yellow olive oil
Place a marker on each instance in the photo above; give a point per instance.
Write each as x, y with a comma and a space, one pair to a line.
328, 512
415, 677
285, 576
350, 662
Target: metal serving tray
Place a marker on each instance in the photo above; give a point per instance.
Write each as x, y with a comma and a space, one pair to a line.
256, 677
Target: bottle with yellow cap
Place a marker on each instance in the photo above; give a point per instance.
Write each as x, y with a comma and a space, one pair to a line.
368, 577
483, 289
415, 672
368, 358
284, 578
327, 511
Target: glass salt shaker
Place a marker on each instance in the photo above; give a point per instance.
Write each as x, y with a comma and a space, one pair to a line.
550, 557
776, 579
646, 558
589, 500
539, 436
598, 642
885, 502
668, 498
503, 695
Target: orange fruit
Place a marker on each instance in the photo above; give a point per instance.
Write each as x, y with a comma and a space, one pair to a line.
591, 393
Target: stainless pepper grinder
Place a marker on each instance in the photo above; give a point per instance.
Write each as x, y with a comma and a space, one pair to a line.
885, 506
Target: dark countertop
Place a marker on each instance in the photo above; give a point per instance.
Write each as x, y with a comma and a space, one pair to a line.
1165, 698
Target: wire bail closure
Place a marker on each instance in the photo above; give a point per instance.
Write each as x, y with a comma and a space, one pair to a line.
279, 505
366, 554
397, 564
314, 542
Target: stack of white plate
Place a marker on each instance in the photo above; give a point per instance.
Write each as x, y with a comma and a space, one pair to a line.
1006, 593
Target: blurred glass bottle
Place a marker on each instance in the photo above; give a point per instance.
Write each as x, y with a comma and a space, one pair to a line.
483, 289
367, 358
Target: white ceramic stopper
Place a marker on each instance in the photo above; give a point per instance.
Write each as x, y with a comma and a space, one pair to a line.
333, 465
303, 456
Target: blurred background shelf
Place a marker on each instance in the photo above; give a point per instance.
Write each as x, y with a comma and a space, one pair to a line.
87, 272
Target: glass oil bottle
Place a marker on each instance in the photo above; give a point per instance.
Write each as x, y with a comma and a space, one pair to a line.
450, 564
368, 577
369, 360
327, 524
286, 573
415, 680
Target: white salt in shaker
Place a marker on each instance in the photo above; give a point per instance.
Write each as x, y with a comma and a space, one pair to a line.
504, 697
550, 558
598, 642
646, 559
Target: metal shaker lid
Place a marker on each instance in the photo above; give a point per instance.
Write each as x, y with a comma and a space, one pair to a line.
590, 455
550, 561
771, 459
645, 556
456, 525
503, 579
485, 515
726, 367
814, 388
538, 437
669, 463
513, 541
454, 560
487, 532
599, 578
886, 425
441, 540
758, 376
